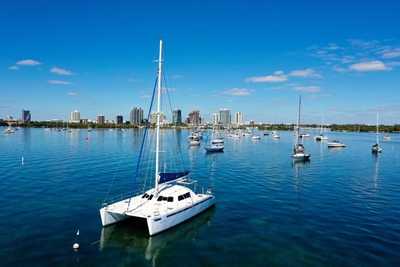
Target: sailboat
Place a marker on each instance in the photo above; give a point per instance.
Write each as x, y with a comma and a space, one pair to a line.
299, 152
170, 202
376, 147
321, 136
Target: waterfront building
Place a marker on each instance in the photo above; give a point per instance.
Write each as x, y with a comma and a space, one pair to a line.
26, 116
177, 117
84, 121
119, 119
101, 119
215, 118
136, 116
239, 118
194, 118
225, 117
75, 116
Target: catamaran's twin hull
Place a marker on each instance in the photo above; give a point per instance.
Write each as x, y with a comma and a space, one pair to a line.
157, 224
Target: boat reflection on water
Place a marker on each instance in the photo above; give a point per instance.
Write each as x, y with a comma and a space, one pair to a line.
125, 236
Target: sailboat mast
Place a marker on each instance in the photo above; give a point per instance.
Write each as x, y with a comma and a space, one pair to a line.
377, 128
159, 79
298, 122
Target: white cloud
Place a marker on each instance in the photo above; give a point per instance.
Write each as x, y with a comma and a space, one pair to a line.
391, 53
277, 77
305, 73
72, 93
308, 89
60, 71
238, 92
58, 82
28, 62
367, 66
13, 67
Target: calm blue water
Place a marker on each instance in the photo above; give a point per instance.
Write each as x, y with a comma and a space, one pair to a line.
341, 209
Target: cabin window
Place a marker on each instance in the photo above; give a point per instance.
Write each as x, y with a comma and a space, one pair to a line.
160, 198
170, 199
180, 197
150, 197
187, 195
145, 195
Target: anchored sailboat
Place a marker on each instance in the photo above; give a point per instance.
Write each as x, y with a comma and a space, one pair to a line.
170, 202
376, 148
299, 152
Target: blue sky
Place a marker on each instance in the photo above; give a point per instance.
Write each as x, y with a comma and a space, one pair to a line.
249, 56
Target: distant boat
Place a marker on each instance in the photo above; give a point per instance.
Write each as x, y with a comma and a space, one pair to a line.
216, 144
321, 136
170, 202
266, 133
214, 148
9, 130
299, 152
376, 148
335, 143
255, 138
275, 135
387, 137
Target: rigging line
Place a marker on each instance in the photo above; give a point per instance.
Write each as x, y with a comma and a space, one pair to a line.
144, 135
171, 108
112, 183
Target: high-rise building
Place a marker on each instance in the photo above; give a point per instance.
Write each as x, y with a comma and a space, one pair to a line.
238, 118
26, 116
194, 118
225, 117
177, 117
101, 119
75, 116
119, 119
136, 116
215, 118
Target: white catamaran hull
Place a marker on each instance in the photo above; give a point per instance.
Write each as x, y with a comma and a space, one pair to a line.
162, 223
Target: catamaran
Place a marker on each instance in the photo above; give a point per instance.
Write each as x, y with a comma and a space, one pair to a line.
171, 201
299, 152
376, 148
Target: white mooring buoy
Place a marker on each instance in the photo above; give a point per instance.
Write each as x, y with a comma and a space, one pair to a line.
75, 246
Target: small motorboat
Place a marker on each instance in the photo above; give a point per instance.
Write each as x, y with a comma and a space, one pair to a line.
266, 133
320, 137
336, 143
194, 142
275, 135
387, 137
255, 138
214, 148
9, 130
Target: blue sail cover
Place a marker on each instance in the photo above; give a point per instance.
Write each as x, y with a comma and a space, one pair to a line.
171, 176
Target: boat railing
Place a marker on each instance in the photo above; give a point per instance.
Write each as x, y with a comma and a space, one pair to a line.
120, 197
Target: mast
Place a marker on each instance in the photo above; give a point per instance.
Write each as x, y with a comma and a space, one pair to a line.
159, 78
377, 128
298, 122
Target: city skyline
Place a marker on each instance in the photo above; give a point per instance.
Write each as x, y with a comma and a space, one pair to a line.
257, 65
